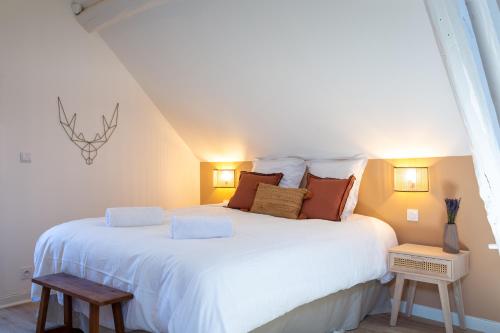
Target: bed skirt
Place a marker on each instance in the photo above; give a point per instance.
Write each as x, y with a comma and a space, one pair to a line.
337, 312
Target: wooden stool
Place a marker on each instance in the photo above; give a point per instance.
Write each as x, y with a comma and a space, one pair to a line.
93, 293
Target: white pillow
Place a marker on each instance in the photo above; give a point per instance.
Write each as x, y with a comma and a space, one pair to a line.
341, 168
293, 169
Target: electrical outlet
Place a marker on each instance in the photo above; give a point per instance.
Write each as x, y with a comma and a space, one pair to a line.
412, 215
26, 273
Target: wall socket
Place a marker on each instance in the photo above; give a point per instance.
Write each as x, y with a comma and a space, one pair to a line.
26, 273
412, 215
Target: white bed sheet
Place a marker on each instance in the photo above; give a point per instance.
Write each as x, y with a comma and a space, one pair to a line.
270, 266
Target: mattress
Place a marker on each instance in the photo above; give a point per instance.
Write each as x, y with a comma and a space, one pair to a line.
270, 267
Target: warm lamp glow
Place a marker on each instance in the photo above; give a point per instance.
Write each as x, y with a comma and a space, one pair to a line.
223, 178
411, 179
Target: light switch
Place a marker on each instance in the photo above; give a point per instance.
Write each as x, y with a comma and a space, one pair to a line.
25, 157
412, 215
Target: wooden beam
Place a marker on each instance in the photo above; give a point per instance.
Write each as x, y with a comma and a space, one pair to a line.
106, 12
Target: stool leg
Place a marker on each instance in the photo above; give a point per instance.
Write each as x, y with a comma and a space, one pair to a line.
410, 297
459, 302
396, 301
445, 305
42, 312
93, 318
68, 311
118, 318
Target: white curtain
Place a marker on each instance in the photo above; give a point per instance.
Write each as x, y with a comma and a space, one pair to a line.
464, 47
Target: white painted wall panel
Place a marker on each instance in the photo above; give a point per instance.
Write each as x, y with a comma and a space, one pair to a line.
45, 53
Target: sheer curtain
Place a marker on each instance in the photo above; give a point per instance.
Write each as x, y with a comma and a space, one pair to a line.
470, 54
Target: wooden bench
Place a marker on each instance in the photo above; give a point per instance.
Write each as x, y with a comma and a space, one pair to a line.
93, 293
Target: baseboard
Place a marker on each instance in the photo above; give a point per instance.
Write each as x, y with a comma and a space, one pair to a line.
14, 299
473, 323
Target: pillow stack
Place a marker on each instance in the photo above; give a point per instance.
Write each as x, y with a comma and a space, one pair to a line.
330, 193
341, 168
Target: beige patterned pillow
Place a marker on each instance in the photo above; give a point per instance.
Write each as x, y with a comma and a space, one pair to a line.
278, 201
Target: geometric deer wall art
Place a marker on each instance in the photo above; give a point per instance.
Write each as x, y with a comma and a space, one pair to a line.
88, 148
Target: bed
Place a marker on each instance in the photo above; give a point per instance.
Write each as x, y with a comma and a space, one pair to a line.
270, 270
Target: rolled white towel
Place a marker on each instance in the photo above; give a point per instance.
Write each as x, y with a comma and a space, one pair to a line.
134, 216
186, 227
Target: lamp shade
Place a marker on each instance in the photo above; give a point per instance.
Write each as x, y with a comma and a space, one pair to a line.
408, 179
223, 178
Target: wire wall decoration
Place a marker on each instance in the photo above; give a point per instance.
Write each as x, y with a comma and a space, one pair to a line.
87, 147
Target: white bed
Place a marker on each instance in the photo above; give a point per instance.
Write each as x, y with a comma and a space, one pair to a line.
270, 267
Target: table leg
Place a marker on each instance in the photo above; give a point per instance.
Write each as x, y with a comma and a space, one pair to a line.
42, 311
68, 311
93, 318
459, 303
410, 297
445, 305
396, 302
118, 318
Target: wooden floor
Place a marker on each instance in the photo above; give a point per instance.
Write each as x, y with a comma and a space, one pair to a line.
21, 319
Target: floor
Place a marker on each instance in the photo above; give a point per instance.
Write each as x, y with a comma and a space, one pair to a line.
21, 319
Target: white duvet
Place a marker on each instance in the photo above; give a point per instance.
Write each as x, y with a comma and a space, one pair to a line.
271, 266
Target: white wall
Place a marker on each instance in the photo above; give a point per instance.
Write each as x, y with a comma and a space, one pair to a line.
44, 54
246, 78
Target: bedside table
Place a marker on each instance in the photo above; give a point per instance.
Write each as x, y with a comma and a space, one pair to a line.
419, 263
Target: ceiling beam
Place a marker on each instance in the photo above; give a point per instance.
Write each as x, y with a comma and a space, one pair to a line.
101, 13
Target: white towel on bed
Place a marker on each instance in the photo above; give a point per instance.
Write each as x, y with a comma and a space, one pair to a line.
134, 216
186, 227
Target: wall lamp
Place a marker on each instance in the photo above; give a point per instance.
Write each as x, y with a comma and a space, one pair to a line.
223, 178
409, 179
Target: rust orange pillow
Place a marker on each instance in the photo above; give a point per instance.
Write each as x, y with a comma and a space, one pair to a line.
328, 198
247, 187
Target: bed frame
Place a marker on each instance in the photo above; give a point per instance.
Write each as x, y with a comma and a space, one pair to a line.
336, 312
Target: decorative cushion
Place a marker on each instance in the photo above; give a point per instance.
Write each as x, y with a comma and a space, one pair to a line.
247, 186
341, 168
328, 197
278, 201
293, 169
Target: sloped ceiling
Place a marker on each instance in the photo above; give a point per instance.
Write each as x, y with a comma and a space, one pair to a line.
247, 78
